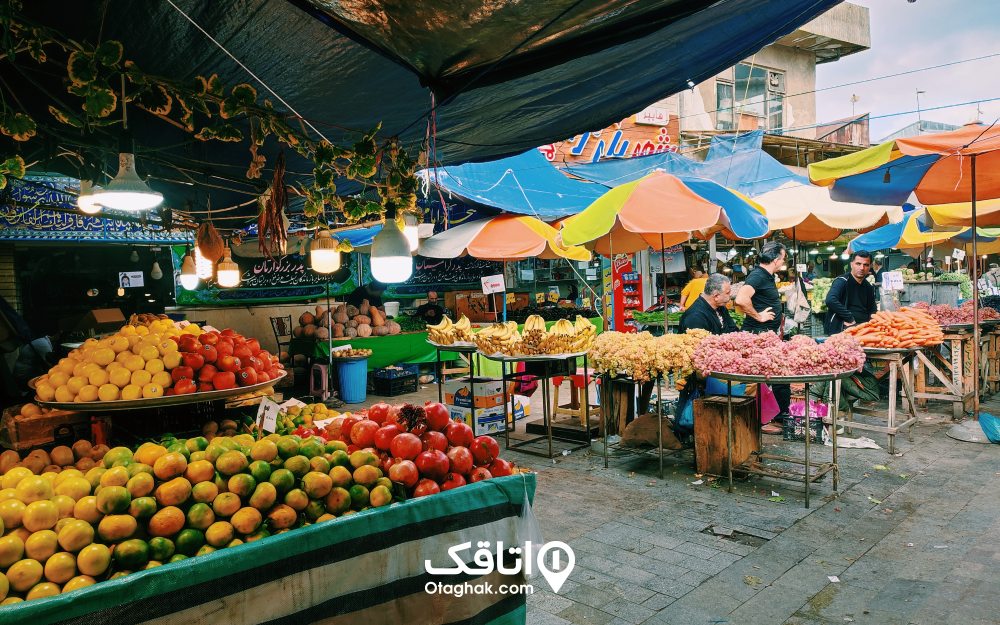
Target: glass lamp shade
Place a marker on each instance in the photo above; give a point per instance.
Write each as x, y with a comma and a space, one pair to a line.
390, 259
127, 191
410, 231
227, 274
189, 273
85, 200
323, 253
156, 273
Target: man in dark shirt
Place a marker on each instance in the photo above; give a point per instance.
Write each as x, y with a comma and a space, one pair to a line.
761, 303
851, 299
372, 292
431, 313
708, 312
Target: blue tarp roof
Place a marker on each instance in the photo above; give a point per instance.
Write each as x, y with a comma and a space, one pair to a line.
526, 184
734, 161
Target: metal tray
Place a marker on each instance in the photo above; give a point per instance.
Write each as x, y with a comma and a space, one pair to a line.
534, 358
159, 402
463, 347
892, 350
783, 379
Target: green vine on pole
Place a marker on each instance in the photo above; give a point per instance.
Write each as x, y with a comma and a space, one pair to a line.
209, 111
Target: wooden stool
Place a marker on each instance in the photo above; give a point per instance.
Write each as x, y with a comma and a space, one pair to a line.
579, 405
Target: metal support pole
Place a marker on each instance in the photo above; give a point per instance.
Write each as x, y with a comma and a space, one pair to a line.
729, 432
975, 301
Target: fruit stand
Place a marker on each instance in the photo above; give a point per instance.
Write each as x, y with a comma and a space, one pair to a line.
410, 347
370, 567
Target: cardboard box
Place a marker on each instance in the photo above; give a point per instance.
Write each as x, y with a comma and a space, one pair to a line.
20, 433
487, 420
488, 391
97, 319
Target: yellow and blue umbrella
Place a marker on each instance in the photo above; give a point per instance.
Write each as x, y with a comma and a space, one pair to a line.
914, 233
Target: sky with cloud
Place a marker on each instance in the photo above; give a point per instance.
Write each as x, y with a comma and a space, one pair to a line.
908, 36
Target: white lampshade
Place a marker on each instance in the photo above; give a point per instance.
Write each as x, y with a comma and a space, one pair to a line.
323, 253
85, 200
390, 259
410, 231
227, 274
134, 256
189, 273
127, 191
121, 292
156, 273
845, 255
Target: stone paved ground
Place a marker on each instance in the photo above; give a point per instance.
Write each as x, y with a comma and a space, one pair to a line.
913, 539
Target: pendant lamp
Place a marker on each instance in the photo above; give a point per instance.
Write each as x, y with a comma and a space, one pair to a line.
156, 273
85, 199
410, 231
323, 253
127, 191
189, 272
390, 259
227, 274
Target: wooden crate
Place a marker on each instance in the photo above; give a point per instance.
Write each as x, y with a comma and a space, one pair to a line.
710, 449
20, 433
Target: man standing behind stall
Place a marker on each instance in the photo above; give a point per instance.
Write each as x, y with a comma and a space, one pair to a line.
708, 311
851, 299
761, 303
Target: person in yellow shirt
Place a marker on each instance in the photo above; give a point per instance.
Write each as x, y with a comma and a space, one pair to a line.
693, 289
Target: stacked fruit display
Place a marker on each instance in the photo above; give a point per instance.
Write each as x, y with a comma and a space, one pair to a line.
448, 333
564, 337
952, 315
766, 354
346, 321
420, 447
351, 353
156, 360
642, 356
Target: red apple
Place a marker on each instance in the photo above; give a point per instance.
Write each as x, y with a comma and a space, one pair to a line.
406, 446
246, 376
207, 373
385, 434
256, 363
228, 332
501, 467
460, 460
437, 415
452, 480
485, 450
228, 363
209, 353
193, 360
459, 434
224, 380
426, 487
209, 338
265, 356
479, 474
404, 472
433, 464
189, 343
263, 376
434, 440
363, 433
204, 387
254, 346
185, 386
242, 352
180, 372
224, 347
378, 412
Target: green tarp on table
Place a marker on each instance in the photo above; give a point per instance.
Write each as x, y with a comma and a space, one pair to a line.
363, 568
411, 347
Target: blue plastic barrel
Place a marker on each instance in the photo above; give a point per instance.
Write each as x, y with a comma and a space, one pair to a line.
352, 380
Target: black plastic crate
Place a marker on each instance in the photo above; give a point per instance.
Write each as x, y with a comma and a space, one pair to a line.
390, 387
794, 429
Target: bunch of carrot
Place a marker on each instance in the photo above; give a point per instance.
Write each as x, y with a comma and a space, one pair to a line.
907, 327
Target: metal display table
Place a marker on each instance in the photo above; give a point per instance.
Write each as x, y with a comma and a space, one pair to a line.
900, 370
546, 360
754, 465
461, 348
607, 411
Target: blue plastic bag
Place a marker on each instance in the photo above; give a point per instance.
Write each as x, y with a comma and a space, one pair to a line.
718, 387
685, 408
991, 426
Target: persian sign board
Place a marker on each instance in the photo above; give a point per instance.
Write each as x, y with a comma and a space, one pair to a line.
653, 130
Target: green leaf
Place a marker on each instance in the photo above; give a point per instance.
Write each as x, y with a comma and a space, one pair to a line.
187, 114
222, 132
64, 117
345, 246
18, 127
244, 93
157, 100
776, 499
81, 68
209, 86
324, 178
13, 166
109, 53
100, 102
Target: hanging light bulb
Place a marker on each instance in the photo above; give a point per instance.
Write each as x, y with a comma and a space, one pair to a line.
227, 274
879, 255
189, 272
410, 231
85, 200
134, 256
204, 268
833, 257
390, 257
845, 255
127, 191
830, 248
814, 251
156, 273
121, 292
323, 253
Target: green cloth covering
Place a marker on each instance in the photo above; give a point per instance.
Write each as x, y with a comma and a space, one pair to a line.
411, 347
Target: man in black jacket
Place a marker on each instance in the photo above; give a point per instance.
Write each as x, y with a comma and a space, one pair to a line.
851, 299
709, 312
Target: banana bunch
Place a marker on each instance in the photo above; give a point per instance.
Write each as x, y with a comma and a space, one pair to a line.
448, 333
560, 338
533, 336
585, 333
499, 338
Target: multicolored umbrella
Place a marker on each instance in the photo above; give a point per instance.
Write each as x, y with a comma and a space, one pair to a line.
913, 234
807, 213
660, 210
505, 237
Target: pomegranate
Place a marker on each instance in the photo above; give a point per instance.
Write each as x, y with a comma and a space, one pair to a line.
485, 450
434, 440
426, 487
501, 467
379, 412
363, 433
404, 472
385, 434
459, 434
452, 480
433, 464
437, 416
406, 446
479, 474
460, 460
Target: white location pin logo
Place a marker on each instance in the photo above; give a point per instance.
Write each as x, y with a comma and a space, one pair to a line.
562, 562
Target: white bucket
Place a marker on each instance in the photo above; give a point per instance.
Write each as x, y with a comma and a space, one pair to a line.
392, 309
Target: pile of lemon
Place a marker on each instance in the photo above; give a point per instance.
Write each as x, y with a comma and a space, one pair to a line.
133, 363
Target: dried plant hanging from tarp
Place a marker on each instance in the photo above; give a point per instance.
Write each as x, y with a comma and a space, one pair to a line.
272, 236
209, 241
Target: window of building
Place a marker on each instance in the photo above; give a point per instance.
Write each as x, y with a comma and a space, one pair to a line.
724, 106
756, 91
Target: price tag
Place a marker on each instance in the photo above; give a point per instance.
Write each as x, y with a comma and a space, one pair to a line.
586, 302
267, 415
539, 298
958, 254
892, 280
494, 284
554, 296
510, 298
801, 268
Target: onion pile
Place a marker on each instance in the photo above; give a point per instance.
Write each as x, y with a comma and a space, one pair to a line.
766, 354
